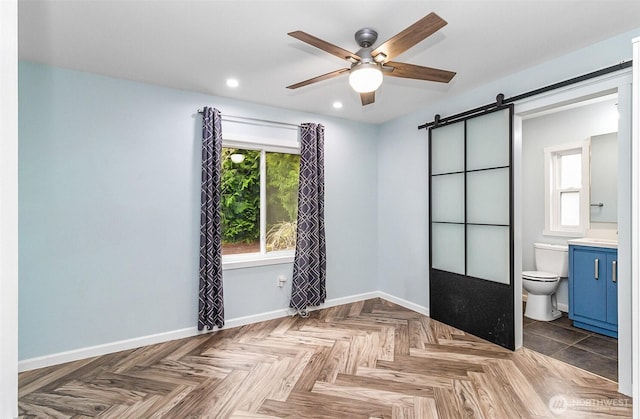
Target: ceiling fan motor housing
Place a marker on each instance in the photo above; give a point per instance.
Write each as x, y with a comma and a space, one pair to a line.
366, 37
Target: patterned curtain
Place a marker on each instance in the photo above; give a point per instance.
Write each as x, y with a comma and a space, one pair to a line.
210, 304
310, 263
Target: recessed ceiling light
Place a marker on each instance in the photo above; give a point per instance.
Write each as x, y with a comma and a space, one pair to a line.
233, 83
337, 105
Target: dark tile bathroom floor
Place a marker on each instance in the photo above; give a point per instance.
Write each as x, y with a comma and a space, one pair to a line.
581, 348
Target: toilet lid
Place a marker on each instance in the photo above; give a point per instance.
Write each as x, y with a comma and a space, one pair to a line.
540, 276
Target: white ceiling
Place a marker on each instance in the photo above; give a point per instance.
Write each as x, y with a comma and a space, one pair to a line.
197, 45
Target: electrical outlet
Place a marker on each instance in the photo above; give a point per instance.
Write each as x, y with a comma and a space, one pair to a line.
281, 280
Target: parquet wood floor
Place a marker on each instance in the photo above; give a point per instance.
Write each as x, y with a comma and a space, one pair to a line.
370, 359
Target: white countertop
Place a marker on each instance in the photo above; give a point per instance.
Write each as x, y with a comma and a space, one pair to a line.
594, 242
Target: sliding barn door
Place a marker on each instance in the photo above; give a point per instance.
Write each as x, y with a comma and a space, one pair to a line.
471, 284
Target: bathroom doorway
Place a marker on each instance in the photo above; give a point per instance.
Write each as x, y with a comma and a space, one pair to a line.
595, 107
587, 121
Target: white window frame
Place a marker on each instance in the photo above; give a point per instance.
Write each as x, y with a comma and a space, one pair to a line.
249, 260
552, 218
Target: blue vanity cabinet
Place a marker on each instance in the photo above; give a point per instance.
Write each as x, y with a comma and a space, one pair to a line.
593, 289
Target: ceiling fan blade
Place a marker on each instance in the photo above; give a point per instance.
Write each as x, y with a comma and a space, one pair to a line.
368, 98
411, 71
318, 78
324, 45
409, 37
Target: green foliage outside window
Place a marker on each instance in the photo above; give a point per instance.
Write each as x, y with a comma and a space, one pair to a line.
282, 200
282, 187
240, 197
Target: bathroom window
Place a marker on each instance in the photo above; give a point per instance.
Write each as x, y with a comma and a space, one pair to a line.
259, 204
567, 189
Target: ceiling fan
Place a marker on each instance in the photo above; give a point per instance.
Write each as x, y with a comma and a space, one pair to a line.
369, 64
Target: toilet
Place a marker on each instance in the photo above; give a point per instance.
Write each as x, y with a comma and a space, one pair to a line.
552, 263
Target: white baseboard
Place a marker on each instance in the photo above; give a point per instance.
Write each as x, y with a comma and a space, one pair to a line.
111, 347
347, 300
404, 303
103, 349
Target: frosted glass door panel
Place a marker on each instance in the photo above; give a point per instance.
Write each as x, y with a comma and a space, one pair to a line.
488, 197
447, 247
447, 145
488, 141
448, 198
488, 253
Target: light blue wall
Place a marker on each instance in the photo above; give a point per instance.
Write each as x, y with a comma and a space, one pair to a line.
403, 158
109, 210
403, 211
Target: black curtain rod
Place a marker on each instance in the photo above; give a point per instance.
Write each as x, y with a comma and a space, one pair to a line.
500, 100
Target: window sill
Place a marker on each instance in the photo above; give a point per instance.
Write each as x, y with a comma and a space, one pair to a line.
563, 233
255, 260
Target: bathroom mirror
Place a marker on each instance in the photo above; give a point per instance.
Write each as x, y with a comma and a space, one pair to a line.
604, 178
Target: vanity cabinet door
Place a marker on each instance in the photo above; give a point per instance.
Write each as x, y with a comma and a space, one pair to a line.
590, 284
593, 289
612, 288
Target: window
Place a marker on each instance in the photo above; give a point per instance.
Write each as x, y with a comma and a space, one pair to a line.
567, 189
259, 204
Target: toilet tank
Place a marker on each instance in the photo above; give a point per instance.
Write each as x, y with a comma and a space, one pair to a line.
552, 258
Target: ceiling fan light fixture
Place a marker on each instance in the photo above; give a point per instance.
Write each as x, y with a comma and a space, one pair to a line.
365, 77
